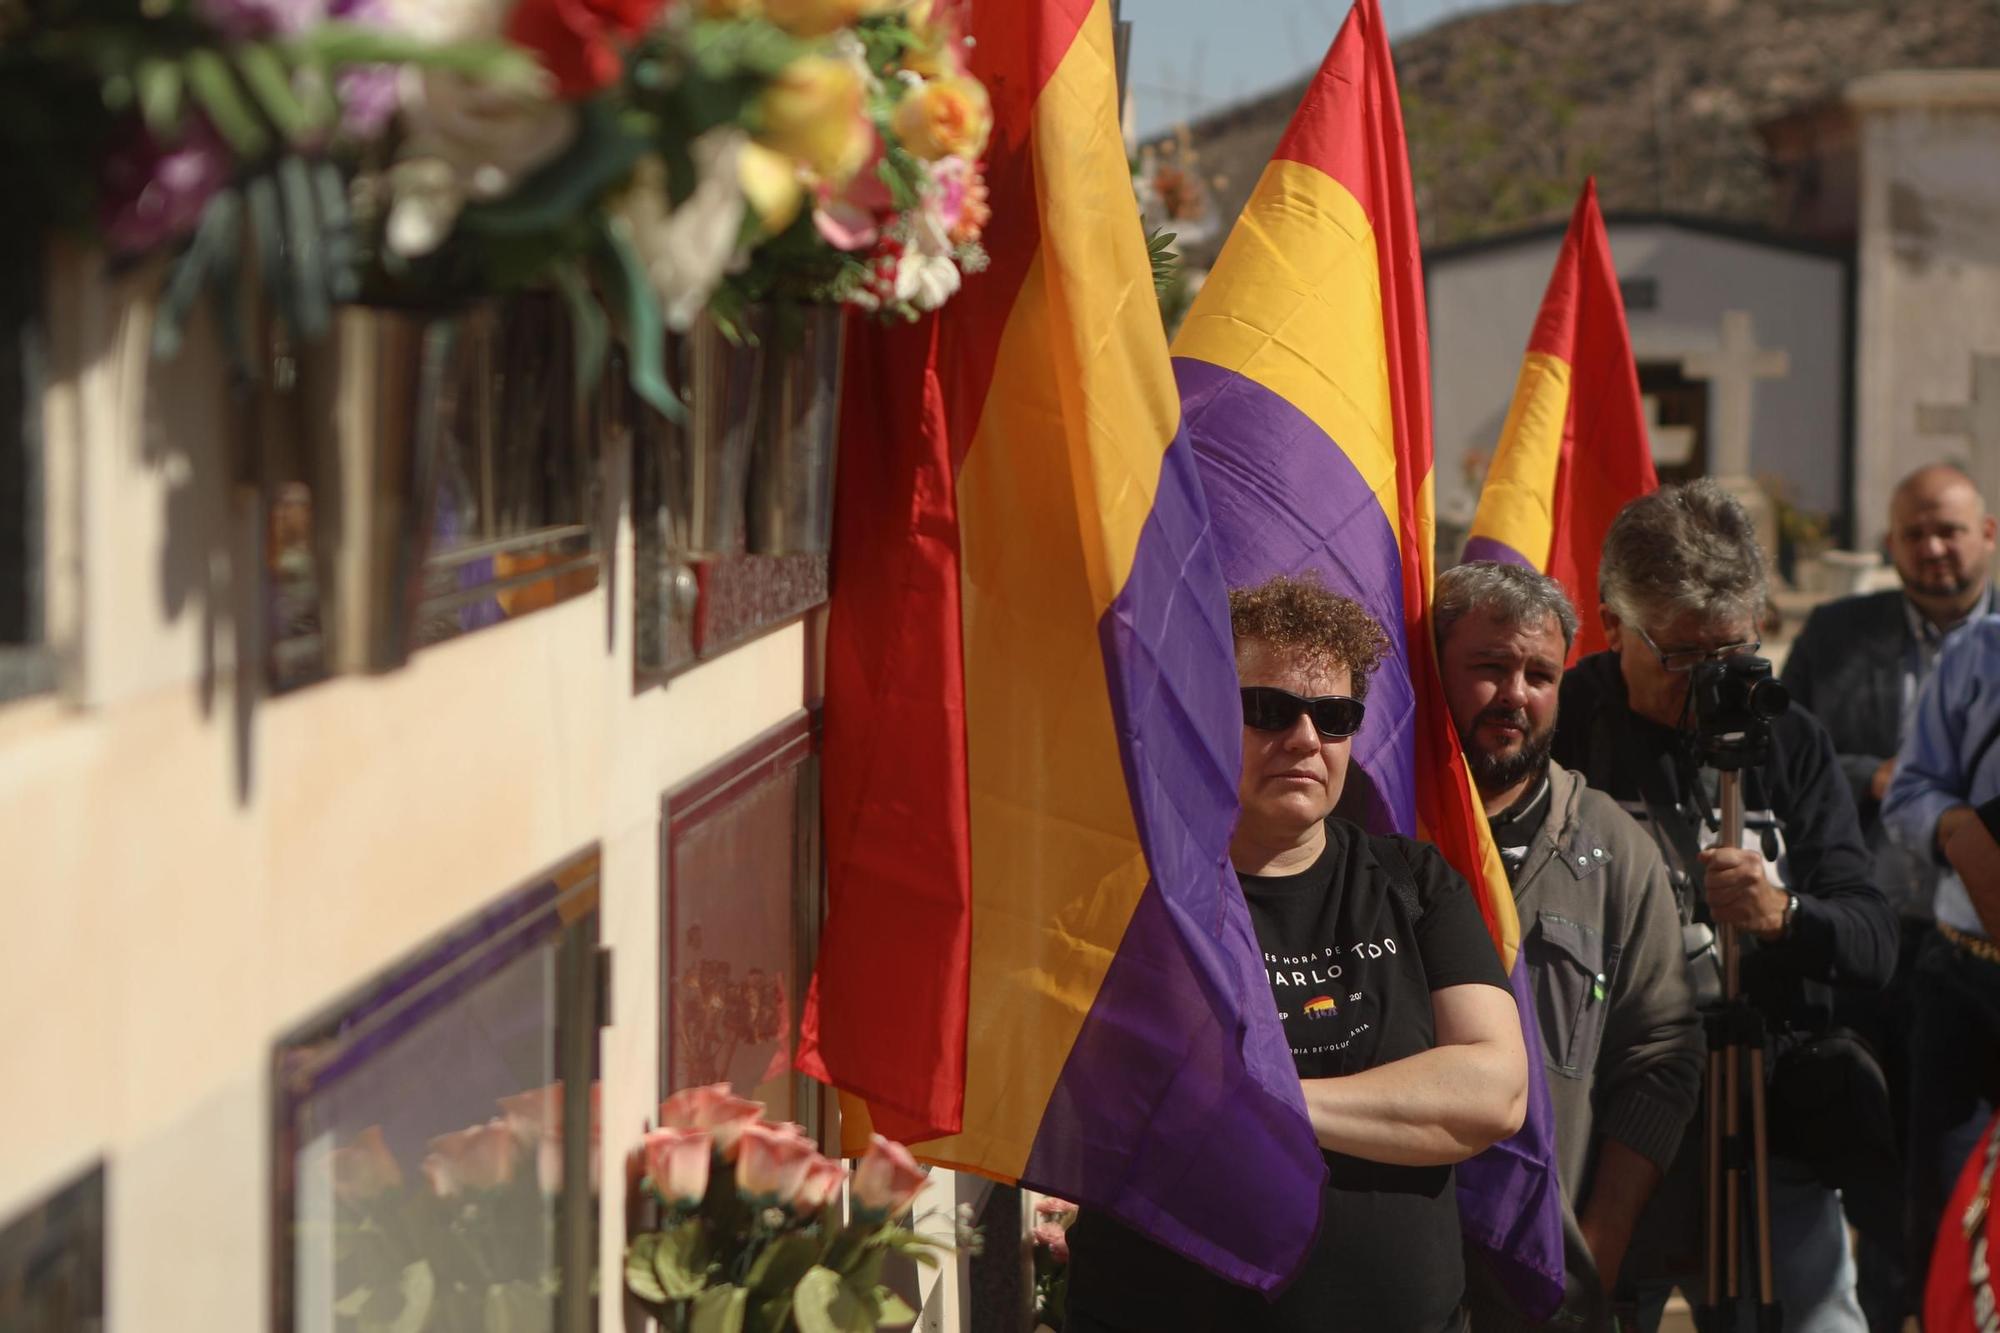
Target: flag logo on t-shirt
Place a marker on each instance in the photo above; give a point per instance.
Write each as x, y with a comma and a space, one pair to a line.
1320, 1006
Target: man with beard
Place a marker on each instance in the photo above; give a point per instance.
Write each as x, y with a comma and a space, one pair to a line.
1859, 665
1599, 931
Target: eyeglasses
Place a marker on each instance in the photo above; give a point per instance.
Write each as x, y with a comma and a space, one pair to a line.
1687, 659
1268, 708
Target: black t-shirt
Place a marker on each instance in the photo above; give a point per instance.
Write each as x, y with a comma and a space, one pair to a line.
1353, 948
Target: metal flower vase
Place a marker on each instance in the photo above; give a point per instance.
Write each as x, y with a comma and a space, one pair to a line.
791, 472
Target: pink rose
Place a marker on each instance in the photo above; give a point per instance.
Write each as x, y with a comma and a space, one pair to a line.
1059, 1210
1055, 1238
479, 1158
532, 1115
715, 1109
365, 1167
886, 1179
677, 1163
821, 1186
771, 1165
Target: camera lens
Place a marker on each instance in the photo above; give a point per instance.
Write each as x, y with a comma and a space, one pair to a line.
1769, 697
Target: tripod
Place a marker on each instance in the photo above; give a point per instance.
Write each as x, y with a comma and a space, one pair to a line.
1736, 1039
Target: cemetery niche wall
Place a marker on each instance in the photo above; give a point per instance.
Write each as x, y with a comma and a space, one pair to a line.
740, 903
437, 1156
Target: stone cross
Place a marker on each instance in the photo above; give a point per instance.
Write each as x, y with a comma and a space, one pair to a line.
1734, 367
1672, 445
1977, 421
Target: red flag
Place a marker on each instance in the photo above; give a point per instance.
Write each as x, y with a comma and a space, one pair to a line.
1575, 448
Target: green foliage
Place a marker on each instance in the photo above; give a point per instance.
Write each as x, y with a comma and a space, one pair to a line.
1166, 260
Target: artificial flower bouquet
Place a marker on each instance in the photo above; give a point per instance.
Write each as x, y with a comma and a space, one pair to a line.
750, 1237
647, 159
1051, 1261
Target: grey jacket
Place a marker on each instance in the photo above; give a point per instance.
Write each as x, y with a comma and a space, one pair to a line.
1621, 1043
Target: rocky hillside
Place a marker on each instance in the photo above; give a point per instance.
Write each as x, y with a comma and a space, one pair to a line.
1508, 109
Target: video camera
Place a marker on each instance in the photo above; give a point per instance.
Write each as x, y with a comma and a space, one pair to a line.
1734, 702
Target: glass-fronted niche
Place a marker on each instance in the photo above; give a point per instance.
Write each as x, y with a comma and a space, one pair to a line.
52, 1261
739, 914
437, 1141
432, 477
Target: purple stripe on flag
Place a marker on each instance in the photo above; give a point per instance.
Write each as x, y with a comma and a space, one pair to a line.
1284, 499
1491, 548
1180, 1085
1507, 1195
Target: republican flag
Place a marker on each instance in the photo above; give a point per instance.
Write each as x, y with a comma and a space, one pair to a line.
1304, 378
1575, 447
1037, 962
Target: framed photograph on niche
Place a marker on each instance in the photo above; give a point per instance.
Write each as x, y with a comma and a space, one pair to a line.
436, 1145
739, 917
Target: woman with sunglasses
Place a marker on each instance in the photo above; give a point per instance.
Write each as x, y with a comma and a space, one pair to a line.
1406, 1041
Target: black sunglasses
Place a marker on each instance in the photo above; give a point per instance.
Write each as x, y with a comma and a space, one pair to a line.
1268, 708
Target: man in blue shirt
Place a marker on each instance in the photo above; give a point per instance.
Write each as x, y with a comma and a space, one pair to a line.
1944, 802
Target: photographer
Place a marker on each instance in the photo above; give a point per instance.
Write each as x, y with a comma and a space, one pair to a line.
1682, 582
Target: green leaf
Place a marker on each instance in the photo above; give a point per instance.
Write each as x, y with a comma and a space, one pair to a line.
418, 1292
639, 1268
162, 92
214, 86
588, 327
336, 232
895, 1311
783, 1262
489, 61
680, 1261
638, 310
302, 246
270, 79
719, 1310
515, 1307
601, 154
215, 239
267, 233
824, 1304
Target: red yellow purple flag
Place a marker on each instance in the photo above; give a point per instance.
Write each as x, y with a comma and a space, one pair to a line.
1304, 375
1575, 448
1037, 963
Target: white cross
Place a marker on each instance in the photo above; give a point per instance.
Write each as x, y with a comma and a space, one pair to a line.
1977, 421
1672, 446
1735, 366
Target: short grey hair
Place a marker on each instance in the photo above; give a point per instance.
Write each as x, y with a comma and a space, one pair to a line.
1514, 594
1689, 548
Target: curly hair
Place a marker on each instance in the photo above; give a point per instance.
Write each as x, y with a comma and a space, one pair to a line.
1299, 614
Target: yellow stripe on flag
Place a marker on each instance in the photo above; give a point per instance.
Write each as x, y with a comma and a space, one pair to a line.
1055, 490
1303, 256
1516, 502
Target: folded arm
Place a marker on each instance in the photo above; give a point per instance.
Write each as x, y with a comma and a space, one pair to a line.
1439, 1106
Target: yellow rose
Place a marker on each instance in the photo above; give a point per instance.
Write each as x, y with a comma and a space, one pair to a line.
948, 117
815, 18
770, 182
730, 9
814, 112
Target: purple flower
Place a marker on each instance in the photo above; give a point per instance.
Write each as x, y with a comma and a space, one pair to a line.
246, 19
368, 93
154, 193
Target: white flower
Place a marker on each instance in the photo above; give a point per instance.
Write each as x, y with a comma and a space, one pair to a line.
465, 140
926, 276
442, 21
687, 250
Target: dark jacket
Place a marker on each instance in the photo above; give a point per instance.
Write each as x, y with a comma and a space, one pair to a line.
1797, 802
1620, 1039
1846, 669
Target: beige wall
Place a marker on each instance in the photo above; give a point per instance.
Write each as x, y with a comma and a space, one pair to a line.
1929, 272
189, 872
